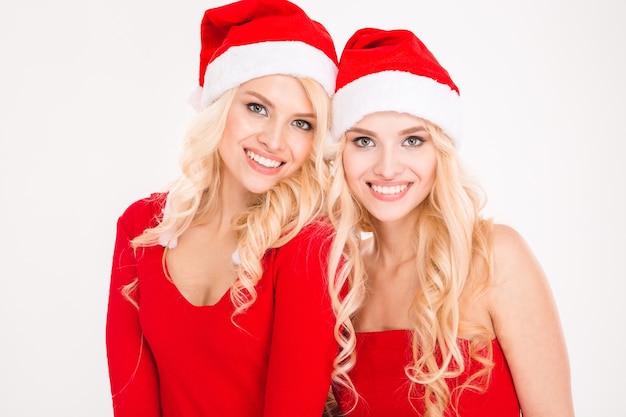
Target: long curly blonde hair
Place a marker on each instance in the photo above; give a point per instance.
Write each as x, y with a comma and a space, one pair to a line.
452, 243
270, 220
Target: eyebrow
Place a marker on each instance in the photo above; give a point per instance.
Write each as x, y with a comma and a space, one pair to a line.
415, 129
270, 104
361, 131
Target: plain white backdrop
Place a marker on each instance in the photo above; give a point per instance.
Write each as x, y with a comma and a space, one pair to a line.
92, 112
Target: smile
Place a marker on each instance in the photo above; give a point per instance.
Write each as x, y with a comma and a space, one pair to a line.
386, 190
266, 162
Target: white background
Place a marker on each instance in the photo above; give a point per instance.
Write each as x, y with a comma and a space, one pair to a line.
92, 111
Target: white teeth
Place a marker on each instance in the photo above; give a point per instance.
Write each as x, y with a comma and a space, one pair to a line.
389, 190
269, 163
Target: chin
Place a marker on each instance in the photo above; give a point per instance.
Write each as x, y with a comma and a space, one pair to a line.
386, 217
260, 188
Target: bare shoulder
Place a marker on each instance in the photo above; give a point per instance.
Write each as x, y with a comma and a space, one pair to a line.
512, 256
518, 278
527, 325
520, 287
508, 242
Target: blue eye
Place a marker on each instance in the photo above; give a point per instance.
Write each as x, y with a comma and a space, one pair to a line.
303, 124
413, 141
363, 142
257, 108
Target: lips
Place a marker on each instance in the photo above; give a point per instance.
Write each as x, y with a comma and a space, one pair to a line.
264, 161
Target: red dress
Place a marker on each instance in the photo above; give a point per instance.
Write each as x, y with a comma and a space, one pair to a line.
173, 359
380, 380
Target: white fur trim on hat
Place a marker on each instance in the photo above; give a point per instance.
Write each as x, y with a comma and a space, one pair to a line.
399, 91
242, 63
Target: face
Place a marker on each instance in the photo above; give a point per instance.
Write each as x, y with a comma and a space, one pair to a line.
269, 133
389, 163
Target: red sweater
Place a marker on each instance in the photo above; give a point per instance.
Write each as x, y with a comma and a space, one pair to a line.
380, 380
170, 358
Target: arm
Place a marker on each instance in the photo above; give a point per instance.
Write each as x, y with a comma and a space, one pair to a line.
303, 345
132, 373
528, 328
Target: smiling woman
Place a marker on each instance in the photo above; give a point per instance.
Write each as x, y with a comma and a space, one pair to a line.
446, 314
218, 293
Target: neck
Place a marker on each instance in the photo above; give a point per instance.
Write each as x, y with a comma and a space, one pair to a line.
393, 242
231, 202
233, 199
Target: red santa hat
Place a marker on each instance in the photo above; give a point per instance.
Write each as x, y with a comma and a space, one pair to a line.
248, 39
382, 70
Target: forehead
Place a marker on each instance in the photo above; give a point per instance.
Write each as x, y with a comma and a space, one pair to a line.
269, 83
390, 121
386, 117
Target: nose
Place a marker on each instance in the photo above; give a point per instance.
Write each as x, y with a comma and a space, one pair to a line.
388, 164
273, 136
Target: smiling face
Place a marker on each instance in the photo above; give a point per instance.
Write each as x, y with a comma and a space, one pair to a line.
269, 133
389, 163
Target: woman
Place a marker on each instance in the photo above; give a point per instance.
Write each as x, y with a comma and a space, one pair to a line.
218, 301
445, 313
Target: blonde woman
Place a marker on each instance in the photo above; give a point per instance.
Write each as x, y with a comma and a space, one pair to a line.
440, 312
218, 301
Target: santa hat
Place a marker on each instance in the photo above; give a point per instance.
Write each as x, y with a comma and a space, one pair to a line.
248, 39
382, 70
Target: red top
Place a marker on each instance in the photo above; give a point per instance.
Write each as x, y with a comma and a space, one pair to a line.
173, 359
380, 380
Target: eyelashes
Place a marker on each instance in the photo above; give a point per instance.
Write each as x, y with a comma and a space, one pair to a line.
257, 108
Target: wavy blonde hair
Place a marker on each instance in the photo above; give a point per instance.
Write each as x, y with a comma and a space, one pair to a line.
452, 243
271, 219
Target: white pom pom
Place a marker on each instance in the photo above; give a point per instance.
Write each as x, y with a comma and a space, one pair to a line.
195, 99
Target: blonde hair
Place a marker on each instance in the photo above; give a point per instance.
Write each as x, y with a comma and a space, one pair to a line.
452, 243
271, 219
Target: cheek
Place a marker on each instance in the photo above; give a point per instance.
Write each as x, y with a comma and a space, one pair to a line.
301, 149
240, 123
352, 185
428, 170
232, 119
229, 134
354, 163
229, 139
352, 171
